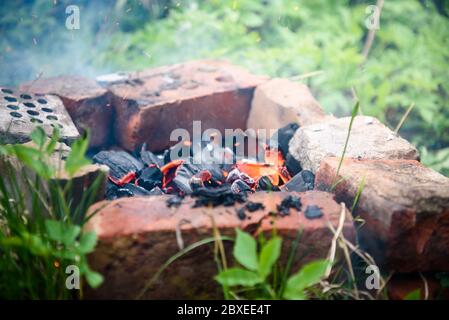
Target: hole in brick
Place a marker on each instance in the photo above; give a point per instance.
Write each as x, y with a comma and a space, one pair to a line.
36, 120
25, 96
42, 101
47, 110
51, 117
29, 105
32, 112
54, 125
10, 99
15, 114
12, 107
7, 91
224, 79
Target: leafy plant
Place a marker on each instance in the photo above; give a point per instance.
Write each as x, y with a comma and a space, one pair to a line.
253, 277
40, 223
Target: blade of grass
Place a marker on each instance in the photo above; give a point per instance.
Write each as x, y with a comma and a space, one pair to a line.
355, 111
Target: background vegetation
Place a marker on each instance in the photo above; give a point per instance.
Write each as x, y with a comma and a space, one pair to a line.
284, 38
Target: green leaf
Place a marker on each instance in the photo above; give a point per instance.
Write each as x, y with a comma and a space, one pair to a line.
59, 231
31, 158
245, 250
413, 295
308, 276
39, 136
87, 243
238, 277
269, 255
77, 159
94, 279
53, 141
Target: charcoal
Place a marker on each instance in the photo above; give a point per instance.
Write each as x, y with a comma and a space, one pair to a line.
239, 186
293, 165
120, 163
283, 135
287, 203
149, 177
184, 174
303, 181
265, 184
156, 192
313, 212
236, 174
149, 158
217, 196
111, 191
136, 190
218, 177
241, 213
254, 206
174, 201
123, 193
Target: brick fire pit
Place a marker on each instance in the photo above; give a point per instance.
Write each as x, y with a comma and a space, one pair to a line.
404, 206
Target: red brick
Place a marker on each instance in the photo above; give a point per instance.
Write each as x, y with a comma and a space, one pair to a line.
152, 103
87, 103
137, 236
279, 102
404, 206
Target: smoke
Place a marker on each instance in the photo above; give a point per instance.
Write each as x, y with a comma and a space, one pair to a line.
43, 38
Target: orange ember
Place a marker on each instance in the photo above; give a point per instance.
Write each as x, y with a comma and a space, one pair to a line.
273, 168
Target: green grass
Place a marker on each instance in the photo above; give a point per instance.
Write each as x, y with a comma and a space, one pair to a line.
41, 224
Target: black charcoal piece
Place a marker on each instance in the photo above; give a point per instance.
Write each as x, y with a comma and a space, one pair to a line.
136, 190
217, 196
120, 163
239, 186
184, 174
254, 206
149, 158
241, 213
282, 137
287, 203
149, 177
293, 165
313, 212
174, 201
156, 192
303, 181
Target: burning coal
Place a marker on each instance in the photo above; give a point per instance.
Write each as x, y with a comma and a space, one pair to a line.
145, 173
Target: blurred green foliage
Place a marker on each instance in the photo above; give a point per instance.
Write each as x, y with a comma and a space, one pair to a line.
286, 38
408, 61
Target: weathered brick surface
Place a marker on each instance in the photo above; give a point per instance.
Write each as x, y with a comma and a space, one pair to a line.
138, 235
88, 104
405, 208
279, 102
21, 112
369, 139
152, 103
